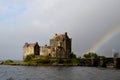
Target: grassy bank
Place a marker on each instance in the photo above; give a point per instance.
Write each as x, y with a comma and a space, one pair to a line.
44, 61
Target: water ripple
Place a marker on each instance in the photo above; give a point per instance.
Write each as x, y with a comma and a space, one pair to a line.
57, 73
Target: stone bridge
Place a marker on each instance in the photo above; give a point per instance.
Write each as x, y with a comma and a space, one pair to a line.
102, 62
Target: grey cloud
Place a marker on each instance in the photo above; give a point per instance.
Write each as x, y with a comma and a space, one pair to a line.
86, 21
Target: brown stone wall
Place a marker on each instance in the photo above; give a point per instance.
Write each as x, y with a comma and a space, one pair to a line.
62, 41
32, 48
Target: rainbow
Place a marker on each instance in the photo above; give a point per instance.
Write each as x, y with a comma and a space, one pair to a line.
105, 39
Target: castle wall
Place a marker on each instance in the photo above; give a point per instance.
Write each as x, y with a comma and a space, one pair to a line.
60, 47
28, 51
32, 48
62, 41
45, 50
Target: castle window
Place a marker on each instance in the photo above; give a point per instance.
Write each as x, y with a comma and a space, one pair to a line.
49, 55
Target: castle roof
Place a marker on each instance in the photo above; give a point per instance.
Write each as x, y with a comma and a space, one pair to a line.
60, 36
30, 44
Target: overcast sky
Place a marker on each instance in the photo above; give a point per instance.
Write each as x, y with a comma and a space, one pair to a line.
86, 21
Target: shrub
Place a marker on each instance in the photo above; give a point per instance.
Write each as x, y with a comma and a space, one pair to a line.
29, 57
8, 62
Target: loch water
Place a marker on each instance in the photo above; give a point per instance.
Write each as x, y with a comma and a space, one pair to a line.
8, 72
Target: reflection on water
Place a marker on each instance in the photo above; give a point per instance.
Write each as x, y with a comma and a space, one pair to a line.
57, 73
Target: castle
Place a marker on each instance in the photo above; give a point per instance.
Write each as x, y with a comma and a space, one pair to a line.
60, 47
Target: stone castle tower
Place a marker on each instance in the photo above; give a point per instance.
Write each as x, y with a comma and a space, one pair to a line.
60, 47
63, 42
31, 48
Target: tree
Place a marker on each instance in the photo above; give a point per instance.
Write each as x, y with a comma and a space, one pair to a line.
29, 57
72, 55
90, 55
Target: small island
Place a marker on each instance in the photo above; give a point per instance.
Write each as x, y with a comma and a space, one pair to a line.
59, 53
